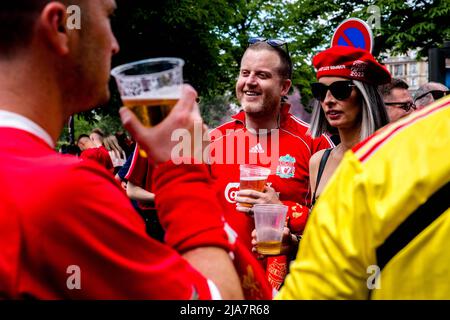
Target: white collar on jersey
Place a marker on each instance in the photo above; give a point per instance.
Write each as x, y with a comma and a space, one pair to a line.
13, 120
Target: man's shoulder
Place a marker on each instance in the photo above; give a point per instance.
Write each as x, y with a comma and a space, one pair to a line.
85, 191
231, 127
298, 129
294, 129
232, 124
87, 175
296, 126
398, 135
62, 173
296, 121
89, 153
52, 181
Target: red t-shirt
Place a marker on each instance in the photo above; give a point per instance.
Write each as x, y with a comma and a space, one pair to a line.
286, 152
140, 174
59, 214
99, 155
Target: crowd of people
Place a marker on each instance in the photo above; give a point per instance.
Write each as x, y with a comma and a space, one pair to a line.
379, 196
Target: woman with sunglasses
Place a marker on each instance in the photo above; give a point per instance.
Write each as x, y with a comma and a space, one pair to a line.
347, 100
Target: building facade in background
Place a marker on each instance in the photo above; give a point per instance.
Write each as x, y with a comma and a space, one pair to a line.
409, 68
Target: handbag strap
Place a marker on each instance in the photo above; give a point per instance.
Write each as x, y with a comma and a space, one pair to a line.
323, 162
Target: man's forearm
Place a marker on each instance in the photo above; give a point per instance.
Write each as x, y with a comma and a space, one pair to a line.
215, 264
137, 193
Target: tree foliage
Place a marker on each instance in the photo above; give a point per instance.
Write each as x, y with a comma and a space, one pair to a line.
211, 35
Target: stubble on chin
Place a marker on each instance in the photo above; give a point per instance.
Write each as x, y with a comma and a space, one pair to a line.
249, 108
256, 111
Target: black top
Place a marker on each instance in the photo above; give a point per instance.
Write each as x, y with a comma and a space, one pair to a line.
322, 164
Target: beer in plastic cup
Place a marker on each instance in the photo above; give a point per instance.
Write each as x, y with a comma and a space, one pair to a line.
150, 88
252, 178
269, 224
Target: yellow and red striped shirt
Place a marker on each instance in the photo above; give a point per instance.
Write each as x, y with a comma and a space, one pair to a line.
381, 228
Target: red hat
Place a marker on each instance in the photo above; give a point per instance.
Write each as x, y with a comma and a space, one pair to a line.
352, 63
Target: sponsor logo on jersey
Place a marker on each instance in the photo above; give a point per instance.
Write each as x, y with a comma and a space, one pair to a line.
257, 149
286, 167
230, 191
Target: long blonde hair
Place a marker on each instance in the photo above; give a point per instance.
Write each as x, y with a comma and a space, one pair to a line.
111, 144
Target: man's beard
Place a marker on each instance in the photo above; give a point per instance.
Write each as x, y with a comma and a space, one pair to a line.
261, 111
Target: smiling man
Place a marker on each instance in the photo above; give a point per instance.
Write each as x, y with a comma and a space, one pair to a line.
265, 133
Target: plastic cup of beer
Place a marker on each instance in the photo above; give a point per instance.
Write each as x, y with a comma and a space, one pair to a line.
252, 178
269, 224
150, 88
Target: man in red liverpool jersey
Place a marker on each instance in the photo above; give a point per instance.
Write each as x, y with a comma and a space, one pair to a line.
265, 133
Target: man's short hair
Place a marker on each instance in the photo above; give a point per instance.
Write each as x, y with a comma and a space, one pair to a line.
285, 70
395, 83
17, 21
81, 136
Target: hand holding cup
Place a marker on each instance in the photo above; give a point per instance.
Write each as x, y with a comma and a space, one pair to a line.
270, 220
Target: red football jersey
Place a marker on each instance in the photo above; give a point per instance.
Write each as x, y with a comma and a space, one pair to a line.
288, 150
61, 218
140, 174
99, 155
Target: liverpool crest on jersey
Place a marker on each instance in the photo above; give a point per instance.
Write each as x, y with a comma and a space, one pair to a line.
286, 167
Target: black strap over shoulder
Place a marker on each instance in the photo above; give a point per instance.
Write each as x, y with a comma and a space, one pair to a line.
417, 221
437, 204
323, 162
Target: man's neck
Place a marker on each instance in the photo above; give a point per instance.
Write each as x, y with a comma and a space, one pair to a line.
269, 122
28, 93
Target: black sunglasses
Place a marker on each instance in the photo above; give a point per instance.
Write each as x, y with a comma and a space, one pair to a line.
437, 94
339, 89
403, 105
276, 43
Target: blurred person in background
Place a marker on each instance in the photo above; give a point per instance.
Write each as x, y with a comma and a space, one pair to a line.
89, 151
116, 153
397, 99
97, 135
428, 93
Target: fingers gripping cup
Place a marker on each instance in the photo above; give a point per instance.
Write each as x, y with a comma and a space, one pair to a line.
252, 178
269, 224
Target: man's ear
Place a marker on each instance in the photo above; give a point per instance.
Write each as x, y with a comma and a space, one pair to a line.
52, 26
286, 85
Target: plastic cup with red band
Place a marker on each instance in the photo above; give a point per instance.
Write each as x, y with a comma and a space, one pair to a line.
252, 178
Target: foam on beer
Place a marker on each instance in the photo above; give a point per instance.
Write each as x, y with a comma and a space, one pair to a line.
253, 178
152, 107
165, 93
